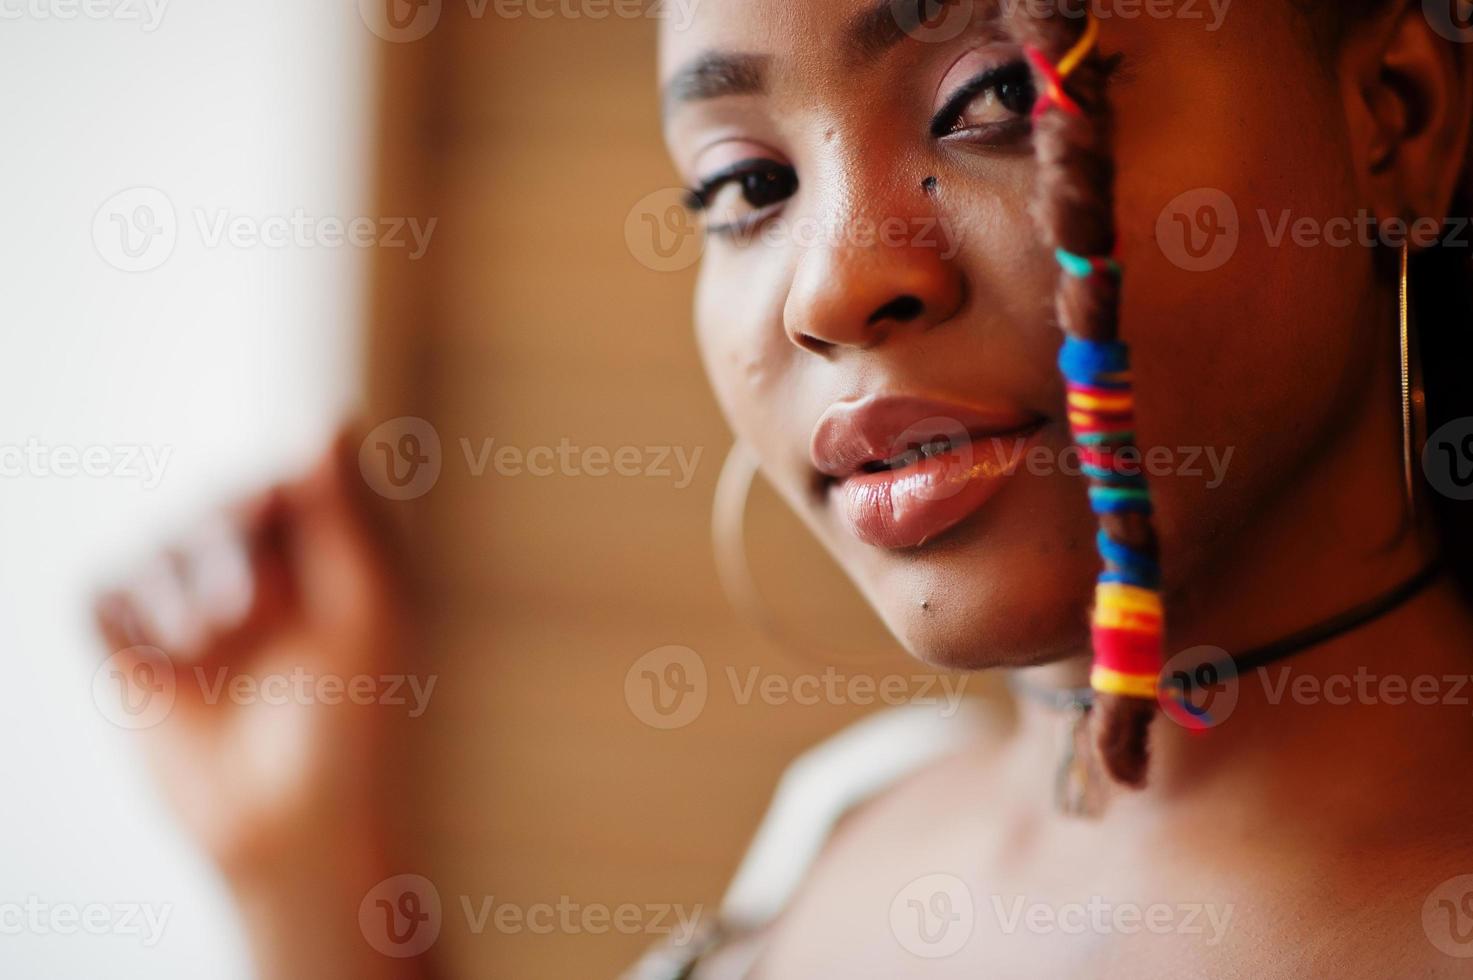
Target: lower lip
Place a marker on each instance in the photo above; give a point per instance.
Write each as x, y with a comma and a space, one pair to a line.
906, 508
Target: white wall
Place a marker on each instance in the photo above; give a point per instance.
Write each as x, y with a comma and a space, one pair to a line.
233, 360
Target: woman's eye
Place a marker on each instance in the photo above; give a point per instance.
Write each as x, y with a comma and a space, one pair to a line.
994, 104
742, 194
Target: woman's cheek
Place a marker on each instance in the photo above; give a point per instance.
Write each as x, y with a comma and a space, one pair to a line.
739, 329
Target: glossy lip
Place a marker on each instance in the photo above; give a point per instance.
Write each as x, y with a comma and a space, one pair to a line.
906, 507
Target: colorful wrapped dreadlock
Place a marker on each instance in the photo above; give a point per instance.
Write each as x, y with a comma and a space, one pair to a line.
1075, 209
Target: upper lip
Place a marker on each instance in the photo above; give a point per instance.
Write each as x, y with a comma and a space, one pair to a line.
852, 435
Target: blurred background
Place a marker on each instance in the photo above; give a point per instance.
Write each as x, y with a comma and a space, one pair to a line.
230, 226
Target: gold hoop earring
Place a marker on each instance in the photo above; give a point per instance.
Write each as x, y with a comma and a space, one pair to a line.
1413, 394
734, 571
728, 535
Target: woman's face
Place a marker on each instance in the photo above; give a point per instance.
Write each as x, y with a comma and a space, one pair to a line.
875, 305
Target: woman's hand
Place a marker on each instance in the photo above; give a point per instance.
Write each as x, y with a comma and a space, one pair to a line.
279, 632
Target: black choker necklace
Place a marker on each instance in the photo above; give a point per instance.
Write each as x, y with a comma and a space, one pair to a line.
1347, 622
1078, 788
1211, 672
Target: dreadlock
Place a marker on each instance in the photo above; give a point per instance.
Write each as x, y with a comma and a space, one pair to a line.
1074, 209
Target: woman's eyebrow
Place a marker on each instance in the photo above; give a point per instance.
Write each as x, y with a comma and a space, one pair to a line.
716, 74
867, 35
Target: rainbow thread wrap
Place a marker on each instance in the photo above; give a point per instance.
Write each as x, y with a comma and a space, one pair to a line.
1127, 624
1127, 628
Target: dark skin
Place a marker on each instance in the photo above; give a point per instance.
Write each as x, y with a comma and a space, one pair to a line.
1273, 818
1324, 826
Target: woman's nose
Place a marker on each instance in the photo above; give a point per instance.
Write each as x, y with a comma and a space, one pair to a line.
861, 291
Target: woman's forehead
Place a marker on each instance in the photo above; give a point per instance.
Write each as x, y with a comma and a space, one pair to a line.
806, 29
837, 39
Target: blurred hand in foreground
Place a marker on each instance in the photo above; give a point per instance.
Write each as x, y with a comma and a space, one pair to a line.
278, 628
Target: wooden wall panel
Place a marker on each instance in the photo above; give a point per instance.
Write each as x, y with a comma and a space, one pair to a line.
530, 322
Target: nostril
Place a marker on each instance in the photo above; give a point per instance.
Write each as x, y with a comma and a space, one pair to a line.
813, 344
901, 309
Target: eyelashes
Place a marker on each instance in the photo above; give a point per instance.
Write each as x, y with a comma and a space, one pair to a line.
991, 110
741, 194
1007, 90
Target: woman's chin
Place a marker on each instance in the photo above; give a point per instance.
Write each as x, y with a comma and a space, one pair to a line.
948, 647
958, 615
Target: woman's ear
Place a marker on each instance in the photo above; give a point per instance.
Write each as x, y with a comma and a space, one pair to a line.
1408, 95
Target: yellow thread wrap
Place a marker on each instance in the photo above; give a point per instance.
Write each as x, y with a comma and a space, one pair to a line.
1107, 681
1081, 48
